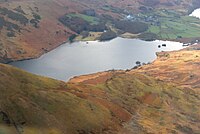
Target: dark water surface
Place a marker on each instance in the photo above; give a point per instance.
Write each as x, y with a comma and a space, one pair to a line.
80, 58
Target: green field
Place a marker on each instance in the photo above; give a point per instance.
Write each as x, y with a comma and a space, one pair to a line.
92, 20
173, 26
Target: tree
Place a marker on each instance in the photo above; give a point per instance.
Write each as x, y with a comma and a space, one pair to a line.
71, 38
138, 63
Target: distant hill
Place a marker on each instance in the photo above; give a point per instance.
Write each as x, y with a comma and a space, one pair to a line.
32, 27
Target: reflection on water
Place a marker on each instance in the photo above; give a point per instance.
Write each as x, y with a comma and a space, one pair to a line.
80, 58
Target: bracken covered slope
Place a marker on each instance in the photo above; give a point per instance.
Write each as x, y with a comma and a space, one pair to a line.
35, 105
162, 97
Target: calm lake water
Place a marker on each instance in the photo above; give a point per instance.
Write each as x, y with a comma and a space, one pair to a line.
80, 58
196, 13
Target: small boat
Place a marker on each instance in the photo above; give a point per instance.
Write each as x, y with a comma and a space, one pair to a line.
184, 45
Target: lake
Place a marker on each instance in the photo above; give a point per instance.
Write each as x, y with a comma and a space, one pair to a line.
81, 58
196, 13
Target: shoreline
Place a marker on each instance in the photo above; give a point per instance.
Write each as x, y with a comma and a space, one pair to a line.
100, 76
37, 56
66, 79
44, 52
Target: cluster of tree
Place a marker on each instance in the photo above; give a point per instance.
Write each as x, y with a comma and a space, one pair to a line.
108, 35
79, 25
85, 34
131, 27
19, 9
2, 22
10, 26
19, 16
35, 20
138, 64
14, 16
72, 37
11, 34
74, 23
148, 36
97, 27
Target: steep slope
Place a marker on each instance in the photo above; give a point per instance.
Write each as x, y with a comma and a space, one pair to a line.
136, 101
31, 104
29, 29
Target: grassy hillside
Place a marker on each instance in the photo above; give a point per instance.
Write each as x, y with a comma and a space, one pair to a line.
143, 100
146, 105
31, 104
